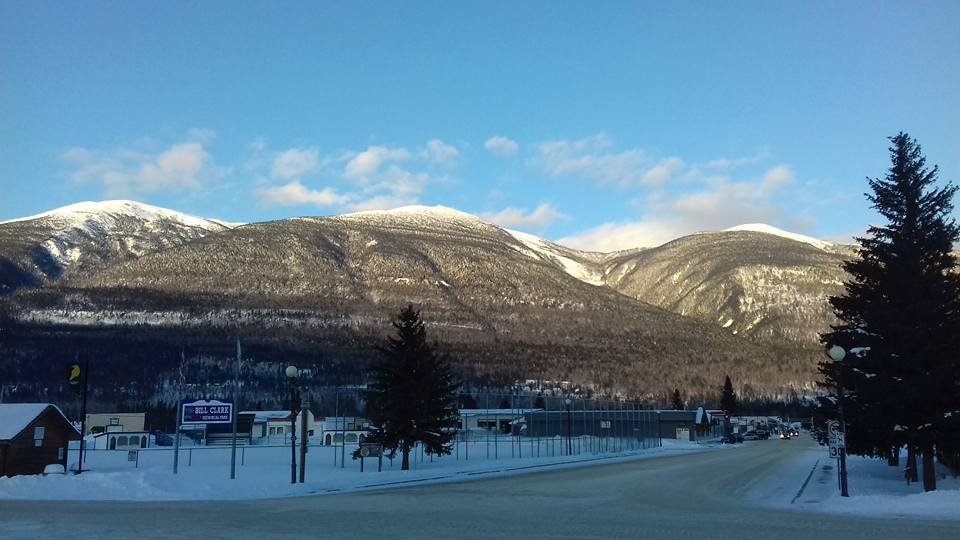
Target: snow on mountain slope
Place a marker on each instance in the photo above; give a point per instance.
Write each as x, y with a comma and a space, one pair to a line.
769, 229
86, 237
88, 213
439, 212
563, 257
569, 260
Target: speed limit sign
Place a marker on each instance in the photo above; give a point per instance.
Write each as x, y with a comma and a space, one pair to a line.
835, 438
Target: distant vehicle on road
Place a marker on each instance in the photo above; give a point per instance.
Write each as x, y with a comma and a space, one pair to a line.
785, 436
763, 434
751, 436
732, 438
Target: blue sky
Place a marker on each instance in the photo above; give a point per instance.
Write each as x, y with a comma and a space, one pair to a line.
605, 125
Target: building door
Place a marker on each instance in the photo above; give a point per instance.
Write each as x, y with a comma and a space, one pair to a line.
113, 443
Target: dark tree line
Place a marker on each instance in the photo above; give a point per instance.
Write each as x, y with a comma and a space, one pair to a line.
900, 322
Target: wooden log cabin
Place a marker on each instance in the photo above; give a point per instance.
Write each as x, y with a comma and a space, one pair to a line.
32, 436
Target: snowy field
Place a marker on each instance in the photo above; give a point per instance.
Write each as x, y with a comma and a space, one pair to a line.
808, 482
264, 471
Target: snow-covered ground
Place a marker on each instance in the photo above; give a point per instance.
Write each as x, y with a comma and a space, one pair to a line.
808, 482
264, 471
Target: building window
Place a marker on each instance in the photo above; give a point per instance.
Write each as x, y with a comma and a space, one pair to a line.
114, 421
38, 432
122, 440
60, 453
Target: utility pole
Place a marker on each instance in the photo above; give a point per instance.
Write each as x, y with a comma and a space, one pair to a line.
179, 405
85, 378
304, 409
236, 403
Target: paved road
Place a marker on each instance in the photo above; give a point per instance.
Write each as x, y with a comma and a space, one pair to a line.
688, 496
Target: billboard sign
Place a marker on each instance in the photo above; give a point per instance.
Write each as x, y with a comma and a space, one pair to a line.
207, 412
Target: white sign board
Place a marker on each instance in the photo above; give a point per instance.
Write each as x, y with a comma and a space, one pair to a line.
835, 438
207, 412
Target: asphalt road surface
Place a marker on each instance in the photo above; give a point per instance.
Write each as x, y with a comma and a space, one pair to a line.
688, 496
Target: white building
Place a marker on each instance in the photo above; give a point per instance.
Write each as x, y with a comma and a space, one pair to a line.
273, 427
492, 419
337, 429
120, 440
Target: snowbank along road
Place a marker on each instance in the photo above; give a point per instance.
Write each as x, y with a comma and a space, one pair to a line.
703, 495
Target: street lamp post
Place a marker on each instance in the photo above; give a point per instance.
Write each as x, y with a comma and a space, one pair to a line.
837, 354
568, 402
292, 373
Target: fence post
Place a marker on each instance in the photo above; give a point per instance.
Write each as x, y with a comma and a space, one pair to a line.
486, 409
530, 423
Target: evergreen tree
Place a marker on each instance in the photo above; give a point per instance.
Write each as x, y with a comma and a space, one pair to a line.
413, 393
900, 319
504, 404
539, 403
728, 400
466, 401
678, 401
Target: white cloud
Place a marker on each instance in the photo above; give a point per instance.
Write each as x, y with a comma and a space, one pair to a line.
294, 163
201, 135
295, 193
518, 218
502, 146
630, 234
365, 164
660, 173
439, 153
184, 166
720, 204
394, 187
776, 178
722, 165
591, 158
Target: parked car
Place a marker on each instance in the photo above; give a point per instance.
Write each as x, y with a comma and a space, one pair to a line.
751, 436
763, 434
732, 438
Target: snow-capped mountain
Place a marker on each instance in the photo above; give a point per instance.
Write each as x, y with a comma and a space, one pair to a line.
769, 229
753, 280
507, 303
82, 238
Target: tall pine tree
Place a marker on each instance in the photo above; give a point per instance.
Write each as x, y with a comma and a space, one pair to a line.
728, 399
677, 400
412, 397
900, 319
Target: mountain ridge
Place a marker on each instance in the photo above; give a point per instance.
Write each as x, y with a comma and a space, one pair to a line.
507, 304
